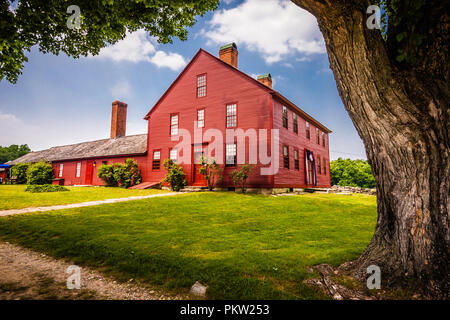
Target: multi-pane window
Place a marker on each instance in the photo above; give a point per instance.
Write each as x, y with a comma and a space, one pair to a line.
286, 157
230, 155
307, 130
201, 86
295, 123
285, 117
174, 125
200, 118
78, 173
173, 155
231, 115
156, 160
323, 139
296, 161
324, 166
319, 165
61, 168
317, 136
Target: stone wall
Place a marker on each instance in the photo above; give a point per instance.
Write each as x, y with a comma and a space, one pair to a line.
372, 192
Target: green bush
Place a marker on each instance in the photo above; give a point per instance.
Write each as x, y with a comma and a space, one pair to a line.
241, 175
175, 176
106, 173
353, 173
45, 188
124, 175
212, 172
20, 171
40, 173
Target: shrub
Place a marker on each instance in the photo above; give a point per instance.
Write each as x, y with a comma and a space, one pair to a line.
175, 176
241, 175
45, 188
40, 173
124, 175
212, 172
20, 171
106, 173
127, 174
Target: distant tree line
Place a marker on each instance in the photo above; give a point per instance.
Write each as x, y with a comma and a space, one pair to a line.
354, 173
13, 152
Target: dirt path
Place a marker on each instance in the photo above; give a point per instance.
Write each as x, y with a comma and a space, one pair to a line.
82, 204
25, 274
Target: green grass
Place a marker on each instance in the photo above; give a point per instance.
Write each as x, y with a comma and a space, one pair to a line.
241, 246
15, 197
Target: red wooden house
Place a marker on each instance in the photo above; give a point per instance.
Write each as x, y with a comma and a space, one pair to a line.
212, 109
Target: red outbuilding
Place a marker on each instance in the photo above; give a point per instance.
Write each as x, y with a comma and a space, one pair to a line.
211, 110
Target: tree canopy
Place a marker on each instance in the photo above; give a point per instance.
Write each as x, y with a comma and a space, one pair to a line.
44, 23
13, 152
353, 173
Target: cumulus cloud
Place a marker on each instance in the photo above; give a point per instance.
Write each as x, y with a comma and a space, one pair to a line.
8, 117
273, 28
138, 47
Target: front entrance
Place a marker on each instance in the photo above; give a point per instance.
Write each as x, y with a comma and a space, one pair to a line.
89, 172
197, 152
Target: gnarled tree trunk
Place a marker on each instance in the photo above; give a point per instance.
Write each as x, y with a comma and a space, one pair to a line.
402, 117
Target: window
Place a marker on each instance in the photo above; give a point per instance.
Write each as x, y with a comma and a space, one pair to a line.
317, 136
231, 115
286, 157
200, 118
78, 173
319, 166
230, 155
307, 130
156, 160
61, 168
201, 86
295, 123
173, 155
285, 117
323, 139
296, 162
174, 125
324, 166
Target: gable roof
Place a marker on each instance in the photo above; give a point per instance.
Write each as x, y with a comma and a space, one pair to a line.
268, 89
129, 145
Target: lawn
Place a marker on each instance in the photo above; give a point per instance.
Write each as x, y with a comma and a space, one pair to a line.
241, 246
15, 197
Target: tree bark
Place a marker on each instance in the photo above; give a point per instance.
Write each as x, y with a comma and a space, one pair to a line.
402, 116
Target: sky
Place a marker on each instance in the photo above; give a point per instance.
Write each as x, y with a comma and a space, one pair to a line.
59, 100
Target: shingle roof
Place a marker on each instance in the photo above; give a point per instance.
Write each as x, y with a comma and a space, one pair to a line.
129, 145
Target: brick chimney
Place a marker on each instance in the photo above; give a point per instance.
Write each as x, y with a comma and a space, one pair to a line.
229, 54
265, 79
118, 119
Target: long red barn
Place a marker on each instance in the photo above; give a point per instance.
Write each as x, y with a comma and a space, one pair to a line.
214, 110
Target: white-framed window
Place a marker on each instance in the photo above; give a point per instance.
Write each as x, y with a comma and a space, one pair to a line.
173, 155
231, 115
200, 118
317, 135
308, 135
230, 155
285, 117
61, 169
78, 173
174, 125
156, 160
201, 85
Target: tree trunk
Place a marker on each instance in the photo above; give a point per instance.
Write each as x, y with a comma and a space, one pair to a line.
402, 118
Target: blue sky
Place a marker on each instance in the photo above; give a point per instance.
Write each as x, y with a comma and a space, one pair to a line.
60, 100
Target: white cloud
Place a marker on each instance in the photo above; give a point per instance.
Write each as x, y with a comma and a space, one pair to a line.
274, 28
138, 47
170, 60
121, 90
5, 117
